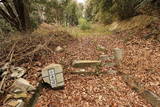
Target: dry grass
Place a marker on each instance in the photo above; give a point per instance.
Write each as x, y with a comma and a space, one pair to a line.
34, 46
96, 30
138, 21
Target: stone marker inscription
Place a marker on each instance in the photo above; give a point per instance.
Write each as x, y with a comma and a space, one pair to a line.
52, 77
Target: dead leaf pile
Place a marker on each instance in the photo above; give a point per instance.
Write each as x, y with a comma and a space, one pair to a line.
141, 60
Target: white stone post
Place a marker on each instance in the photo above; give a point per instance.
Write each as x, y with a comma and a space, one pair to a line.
118, 54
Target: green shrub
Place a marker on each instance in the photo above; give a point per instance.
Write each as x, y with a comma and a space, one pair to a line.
104, 17
107, 11
84, 24
5, 27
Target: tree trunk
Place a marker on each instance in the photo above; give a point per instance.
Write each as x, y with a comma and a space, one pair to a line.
19, 19
22, 8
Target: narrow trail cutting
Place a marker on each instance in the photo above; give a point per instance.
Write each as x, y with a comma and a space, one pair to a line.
140, 61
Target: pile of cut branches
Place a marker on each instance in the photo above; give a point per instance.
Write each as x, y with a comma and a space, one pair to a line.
31, 47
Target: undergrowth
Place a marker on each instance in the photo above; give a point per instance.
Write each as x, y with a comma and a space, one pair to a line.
95, 30
38, 45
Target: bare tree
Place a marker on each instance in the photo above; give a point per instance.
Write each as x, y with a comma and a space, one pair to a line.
16, 13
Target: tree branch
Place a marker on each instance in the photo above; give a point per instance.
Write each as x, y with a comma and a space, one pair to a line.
8, 18
9, 9
19, 19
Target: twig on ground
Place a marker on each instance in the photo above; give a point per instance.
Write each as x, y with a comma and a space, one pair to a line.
2, 82
7, 69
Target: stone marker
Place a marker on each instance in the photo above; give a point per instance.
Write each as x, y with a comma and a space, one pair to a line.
85, 63
53, 75
118, 54
22, 84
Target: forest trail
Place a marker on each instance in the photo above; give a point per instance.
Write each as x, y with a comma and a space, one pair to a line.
115, 42
131, 84
141, 60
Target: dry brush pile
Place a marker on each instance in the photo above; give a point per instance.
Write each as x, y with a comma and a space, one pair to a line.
25, 48
141, 60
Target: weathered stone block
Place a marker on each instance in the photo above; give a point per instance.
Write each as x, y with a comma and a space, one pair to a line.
23, 85
85, 63
53, 75
118, 54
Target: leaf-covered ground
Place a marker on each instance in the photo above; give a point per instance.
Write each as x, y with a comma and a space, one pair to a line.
141, 60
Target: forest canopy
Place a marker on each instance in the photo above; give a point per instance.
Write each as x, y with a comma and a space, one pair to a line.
107, 11
24, 14
27, 14
79, 53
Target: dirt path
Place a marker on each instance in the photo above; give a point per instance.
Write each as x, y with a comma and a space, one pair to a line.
141, 60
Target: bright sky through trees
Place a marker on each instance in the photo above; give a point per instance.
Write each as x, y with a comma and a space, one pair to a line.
81, 1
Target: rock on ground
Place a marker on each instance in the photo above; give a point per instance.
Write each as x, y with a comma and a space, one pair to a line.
23, 85
85, 63
53, 75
